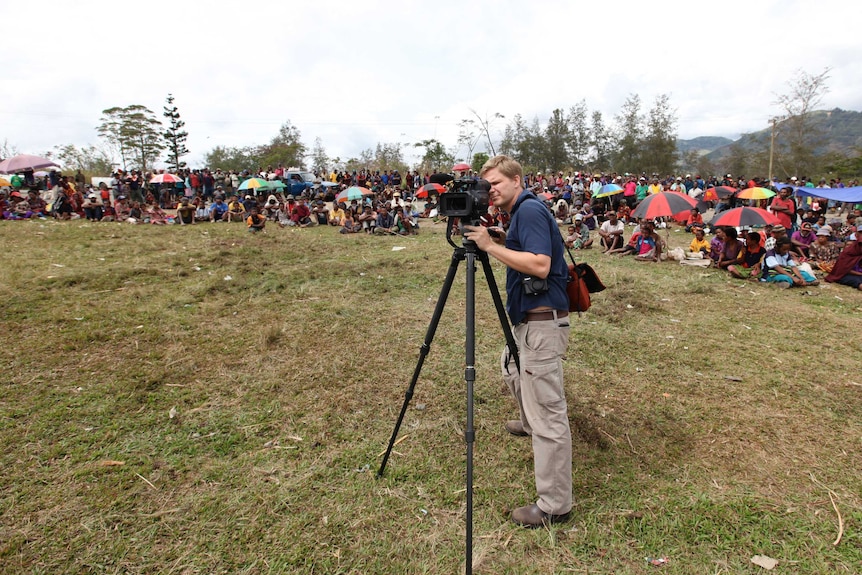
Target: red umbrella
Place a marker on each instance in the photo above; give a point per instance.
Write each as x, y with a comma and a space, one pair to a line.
547, 195
739, 217
428, 189
165, 179
23, 161
462, 167
717, 193
663, 204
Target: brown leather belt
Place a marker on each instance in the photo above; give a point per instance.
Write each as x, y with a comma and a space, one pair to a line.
543, 315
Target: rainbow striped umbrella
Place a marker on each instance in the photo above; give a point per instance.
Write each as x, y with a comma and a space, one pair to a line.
253, 184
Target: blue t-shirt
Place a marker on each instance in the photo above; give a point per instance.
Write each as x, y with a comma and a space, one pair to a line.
533, 229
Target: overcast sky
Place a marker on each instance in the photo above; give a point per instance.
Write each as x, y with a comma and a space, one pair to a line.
357, 73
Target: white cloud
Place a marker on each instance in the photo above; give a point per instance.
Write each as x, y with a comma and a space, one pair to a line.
358, 73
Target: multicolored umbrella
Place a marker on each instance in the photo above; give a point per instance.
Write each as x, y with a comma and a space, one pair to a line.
608, 190
428, 189
755, 194
742, 217
24, 161
663, 204
165, 179
718, 193
353, 193
253, 184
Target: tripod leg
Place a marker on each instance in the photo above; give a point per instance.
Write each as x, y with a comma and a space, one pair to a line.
470, 378
457, 256
501, 309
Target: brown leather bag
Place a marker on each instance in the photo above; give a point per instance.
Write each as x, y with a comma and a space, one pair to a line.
579, 294
583, 280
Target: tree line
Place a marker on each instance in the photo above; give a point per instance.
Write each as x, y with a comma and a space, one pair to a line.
634, 140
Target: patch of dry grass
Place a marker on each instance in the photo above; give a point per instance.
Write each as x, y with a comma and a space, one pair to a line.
713, 418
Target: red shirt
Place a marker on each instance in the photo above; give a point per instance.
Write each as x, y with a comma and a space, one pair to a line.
784, 218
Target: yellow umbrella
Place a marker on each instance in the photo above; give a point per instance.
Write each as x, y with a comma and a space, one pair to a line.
4, 182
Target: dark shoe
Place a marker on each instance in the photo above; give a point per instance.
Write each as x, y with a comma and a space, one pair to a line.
515, 427
531, 517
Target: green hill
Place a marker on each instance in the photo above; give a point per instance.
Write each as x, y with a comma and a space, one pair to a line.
841, 129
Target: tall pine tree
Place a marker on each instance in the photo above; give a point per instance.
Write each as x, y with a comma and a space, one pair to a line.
175, 137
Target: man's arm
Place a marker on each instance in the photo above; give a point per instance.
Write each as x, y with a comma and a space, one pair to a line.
536, 265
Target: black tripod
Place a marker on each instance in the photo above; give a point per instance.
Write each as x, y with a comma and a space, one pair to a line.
470, 252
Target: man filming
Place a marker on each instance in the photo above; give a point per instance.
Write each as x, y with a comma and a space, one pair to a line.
533, 249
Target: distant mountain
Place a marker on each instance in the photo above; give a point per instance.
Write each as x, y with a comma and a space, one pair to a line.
841, 129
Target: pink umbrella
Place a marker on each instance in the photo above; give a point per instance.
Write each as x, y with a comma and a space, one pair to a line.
462, 167
22, 162
165, 179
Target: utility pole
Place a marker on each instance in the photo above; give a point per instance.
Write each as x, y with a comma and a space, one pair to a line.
771, 149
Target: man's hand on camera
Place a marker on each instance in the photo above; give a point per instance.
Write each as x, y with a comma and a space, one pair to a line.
482, 236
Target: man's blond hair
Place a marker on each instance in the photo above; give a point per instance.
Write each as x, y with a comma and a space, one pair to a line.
507, 166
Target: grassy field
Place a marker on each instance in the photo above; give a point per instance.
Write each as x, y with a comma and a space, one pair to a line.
202, 400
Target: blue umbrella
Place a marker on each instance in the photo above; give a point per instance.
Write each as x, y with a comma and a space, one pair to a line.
608, 190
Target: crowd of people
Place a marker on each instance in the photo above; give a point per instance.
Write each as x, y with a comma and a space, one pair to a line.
812, 237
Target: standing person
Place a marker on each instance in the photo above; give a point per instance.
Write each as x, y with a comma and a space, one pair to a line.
533, 247
784, 208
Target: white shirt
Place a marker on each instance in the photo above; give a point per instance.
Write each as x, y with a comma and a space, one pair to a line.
609, 228
779, 260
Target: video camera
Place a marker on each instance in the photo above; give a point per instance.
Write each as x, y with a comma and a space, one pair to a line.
468, 199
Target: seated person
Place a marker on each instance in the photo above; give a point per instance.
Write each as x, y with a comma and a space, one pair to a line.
699, 244
809, 217
846, 229
716, 245
583, 232
648, 246
824, 252
350, 226
248, 203
153, 214
782, 270
573, 238
631, 247
38, 206
848, 267
235, 211
561, 212
185, 212
270, 208
320, 213
367, 219
586, 210
729, 254
750, 261
108, 213
385, 223
404, 222
217, 211
611, 232
300, 214
624, 212
93, 208
337, 215
256, 221
802, 239
694, 220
